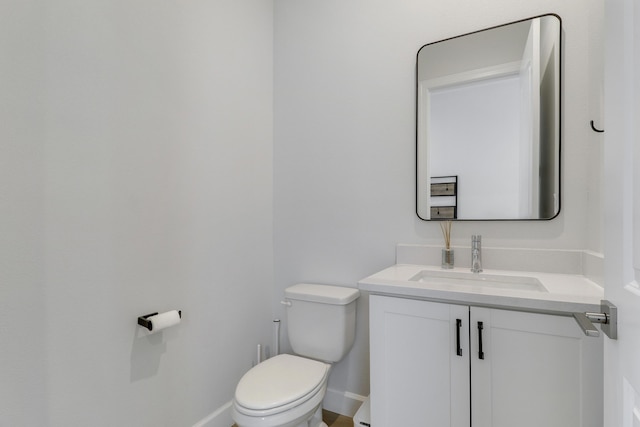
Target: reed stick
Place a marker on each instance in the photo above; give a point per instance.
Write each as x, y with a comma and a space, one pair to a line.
445, 226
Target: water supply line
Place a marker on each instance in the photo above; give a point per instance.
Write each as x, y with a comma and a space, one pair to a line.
259, 354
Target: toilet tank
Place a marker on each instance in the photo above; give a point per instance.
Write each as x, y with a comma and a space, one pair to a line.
321, 320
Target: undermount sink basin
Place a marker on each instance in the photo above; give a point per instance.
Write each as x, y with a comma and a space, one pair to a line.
519, 283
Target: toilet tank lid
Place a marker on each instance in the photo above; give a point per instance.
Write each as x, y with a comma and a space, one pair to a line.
325, 294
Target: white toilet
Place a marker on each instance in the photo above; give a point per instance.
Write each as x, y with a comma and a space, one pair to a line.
287, 390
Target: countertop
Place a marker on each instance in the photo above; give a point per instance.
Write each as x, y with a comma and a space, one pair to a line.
566, 293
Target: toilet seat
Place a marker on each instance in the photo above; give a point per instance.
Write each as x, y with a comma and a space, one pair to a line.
279, 384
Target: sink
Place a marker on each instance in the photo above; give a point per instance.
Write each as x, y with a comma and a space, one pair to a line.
495, 281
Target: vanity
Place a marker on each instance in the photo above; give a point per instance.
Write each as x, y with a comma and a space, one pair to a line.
494, 349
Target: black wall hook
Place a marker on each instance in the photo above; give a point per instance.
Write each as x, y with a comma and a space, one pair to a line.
595, 129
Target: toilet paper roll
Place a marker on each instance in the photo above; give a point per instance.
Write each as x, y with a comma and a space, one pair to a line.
164, 320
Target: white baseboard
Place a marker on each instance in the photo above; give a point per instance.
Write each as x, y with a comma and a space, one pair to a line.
221, 417
342, 402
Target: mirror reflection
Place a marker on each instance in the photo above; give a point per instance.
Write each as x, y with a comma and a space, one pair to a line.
488, 124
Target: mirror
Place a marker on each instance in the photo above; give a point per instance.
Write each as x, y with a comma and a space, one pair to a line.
488, 123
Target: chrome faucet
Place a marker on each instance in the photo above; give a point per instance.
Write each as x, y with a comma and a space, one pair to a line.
476, 253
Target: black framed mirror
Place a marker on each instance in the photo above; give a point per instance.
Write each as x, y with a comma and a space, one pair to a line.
488, 123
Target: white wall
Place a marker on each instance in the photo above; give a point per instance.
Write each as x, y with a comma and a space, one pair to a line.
136, 176
22, 302
345, 140
595, 141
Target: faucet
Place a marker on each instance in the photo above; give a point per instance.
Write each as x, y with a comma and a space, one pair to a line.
476, 253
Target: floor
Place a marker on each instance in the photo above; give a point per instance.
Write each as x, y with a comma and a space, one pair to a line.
334, 420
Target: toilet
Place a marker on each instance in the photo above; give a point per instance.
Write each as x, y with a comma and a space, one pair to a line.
287, 390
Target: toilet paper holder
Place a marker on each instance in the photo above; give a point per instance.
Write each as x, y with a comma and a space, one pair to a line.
144, 320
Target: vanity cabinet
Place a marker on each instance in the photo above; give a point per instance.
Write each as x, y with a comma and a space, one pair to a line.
447, 365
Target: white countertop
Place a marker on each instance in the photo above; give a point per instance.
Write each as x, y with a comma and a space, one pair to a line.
567, 293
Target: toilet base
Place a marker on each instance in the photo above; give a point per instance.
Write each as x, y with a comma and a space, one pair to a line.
303, 418
315, 421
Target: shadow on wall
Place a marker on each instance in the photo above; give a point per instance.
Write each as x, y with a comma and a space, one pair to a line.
146, 352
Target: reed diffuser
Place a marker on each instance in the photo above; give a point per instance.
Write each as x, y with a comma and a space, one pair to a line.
447, 252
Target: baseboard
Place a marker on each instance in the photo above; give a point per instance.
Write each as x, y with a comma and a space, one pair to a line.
342, 402
221, 417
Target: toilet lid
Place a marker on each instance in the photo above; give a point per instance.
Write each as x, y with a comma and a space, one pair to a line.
280, 380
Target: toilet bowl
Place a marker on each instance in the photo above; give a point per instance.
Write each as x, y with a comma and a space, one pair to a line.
287, 390
284, 391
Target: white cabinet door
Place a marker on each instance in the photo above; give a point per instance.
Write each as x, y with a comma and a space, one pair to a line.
417, 377
537, 370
